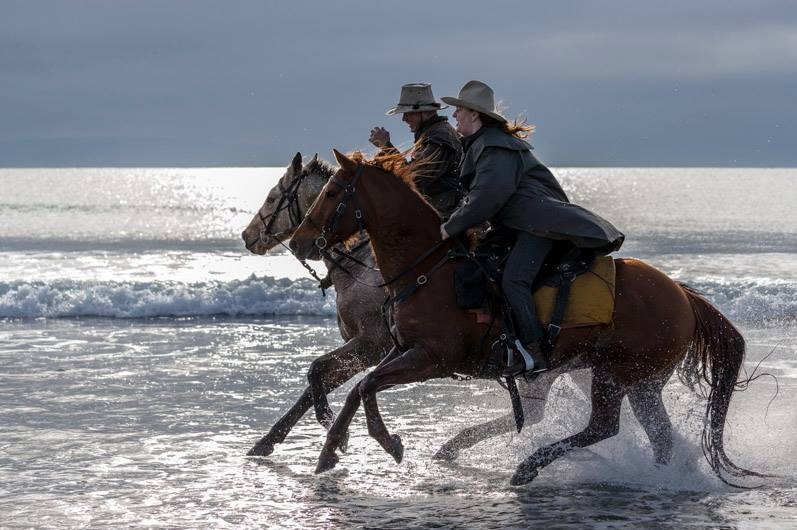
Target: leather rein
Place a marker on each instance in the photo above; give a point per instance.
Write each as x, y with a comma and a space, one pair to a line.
322, 241
328, 229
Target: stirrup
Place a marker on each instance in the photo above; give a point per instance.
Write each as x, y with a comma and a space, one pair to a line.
526, 365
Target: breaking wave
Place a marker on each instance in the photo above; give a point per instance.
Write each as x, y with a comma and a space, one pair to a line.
751, 302
252, 296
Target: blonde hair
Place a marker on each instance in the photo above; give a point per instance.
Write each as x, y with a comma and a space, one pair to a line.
517, 127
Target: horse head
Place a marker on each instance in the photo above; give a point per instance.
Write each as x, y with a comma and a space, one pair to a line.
335, 215
285, 204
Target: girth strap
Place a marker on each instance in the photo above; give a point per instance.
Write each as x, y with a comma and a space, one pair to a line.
558, 315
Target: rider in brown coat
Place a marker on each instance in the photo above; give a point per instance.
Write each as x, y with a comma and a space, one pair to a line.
436, 141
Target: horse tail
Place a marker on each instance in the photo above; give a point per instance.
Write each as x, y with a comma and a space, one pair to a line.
714, 360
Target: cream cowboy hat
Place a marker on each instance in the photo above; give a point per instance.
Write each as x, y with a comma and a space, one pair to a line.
477, 96
415, 97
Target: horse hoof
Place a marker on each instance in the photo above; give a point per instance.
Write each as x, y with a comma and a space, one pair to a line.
261, 448
327, 461
344, 442
523, 476
446, 454
397, 449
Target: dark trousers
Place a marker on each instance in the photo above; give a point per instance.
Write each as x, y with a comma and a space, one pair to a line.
524, 263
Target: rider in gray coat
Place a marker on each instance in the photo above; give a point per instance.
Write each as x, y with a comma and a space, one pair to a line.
509, 187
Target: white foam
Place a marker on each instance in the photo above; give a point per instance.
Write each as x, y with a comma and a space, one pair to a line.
251, 296
750, 302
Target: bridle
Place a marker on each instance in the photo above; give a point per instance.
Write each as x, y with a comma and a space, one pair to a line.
288, 200
328, 228
349, 190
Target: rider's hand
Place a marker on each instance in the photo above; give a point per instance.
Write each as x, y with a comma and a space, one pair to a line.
379, 137
443, 233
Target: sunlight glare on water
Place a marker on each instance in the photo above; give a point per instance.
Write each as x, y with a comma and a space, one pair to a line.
144, 351
136, 203
113, 424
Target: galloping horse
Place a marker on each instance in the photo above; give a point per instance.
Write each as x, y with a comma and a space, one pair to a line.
366, 338
657, 322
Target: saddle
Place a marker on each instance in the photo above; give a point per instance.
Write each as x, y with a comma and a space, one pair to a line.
574, 288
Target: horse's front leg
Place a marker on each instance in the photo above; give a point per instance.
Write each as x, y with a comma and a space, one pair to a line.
338, 432
331, 370
277, 433
412, 366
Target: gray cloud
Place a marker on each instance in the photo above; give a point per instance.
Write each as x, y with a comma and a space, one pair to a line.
240, 83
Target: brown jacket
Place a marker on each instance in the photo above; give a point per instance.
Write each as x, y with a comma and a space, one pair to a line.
436, 141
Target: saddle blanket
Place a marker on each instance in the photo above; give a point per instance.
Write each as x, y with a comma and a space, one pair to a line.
591, 298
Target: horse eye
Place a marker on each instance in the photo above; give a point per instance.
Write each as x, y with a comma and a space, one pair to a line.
331, 194
271, 200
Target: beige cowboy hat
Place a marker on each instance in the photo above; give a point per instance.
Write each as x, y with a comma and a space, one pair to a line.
415, 97
477, 96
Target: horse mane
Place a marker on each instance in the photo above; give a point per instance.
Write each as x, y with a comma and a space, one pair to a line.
321, 167
395, 163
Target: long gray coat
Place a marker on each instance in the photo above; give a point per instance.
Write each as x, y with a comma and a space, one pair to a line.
508, 186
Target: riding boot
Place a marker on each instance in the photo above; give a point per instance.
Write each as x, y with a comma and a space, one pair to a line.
535, 346
524, 359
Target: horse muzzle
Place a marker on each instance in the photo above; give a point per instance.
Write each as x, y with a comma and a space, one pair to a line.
305, 249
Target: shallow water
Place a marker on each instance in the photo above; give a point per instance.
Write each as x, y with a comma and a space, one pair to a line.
110, 422
143, 351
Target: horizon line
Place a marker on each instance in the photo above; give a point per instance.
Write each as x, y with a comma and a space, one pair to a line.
246, 166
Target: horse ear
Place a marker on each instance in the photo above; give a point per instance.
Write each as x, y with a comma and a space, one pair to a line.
343, 161
315, 159
296, 164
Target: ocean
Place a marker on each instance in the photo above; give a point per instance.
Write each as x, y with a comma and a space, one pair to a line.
143, 351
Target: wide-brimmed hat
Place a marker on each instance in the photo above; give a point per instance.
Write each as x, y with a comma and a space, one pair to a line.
415, 97
477, 96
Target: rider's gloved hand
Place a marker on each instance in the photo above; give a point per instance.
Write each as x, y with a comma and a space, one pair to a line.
379, 137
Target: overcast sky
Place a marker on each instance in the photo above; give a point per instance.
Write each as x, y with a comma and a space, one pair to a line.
249, 83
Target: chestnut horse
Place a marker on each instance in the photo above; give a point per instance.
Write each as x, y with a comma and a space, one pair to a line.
366, 338
657, 322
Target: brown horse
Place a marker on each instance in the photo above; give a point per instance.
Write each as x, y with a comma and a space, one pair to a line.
657, 322
366, 338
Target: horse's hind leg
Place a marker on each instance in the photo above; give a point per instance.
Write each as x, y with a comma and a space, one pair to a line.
277, 434
534, 396
470, 436
603, 423
648, 407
